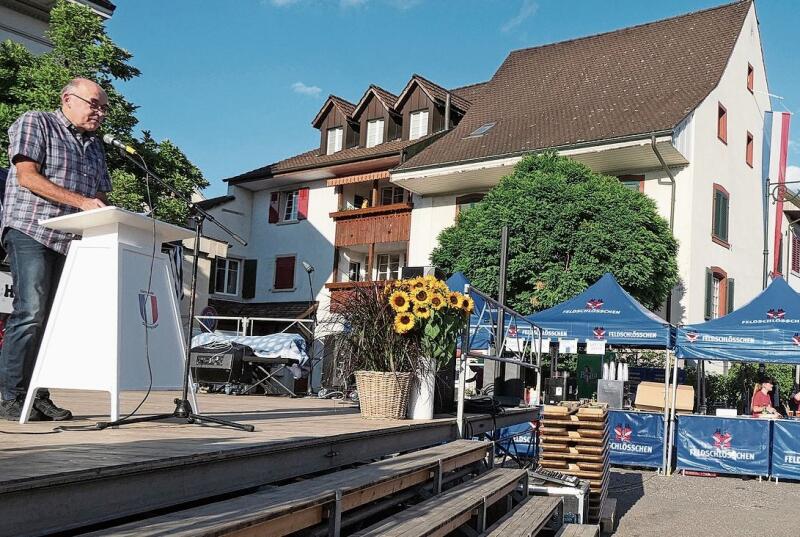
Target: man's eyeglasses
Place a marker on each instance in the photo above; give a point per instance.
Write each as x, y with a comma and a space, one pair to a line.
94, 105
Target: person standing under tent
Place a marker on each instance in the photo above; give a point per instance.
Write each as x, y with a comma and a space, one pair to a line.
762, 402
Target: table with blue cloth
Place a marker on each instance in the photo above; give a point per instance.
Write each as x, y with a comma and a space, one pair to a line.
636, 438
785, 453
726, 445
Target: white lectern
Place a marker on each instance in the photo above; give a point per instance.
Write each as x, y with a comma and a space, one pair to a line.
115, 304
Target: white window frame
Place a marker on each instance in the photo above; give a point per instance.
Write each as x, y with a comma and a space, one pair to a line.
387, 274
395, 190
374, 132
290, 204
418, 124
225, 264
334, 141
715, 295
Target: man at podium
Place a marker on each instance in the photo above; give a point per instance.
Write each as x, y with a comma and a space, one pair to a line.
58, 167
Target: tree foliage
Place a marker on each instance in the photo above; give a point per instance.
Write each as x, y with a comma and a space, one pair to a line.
567, 226
81, 48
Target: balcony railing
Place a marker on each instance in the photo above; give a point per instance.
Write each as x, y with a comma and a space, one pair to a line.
340, 291
384, 223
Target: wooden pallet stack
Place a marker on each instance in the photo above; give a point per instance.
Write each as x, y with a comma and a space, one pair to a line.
575, 442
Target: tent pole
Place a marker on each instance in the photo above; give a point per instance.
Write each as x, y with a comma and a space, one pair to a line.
671, 433
666, 411
462, 374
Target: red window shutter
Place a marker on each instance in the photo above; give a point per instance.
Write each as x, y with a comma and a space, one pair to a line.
274, 207
284, 273
722, 124
302, 204
795, 254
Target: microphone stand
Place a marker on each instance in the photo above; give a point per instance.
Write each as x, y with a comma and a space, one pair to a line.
183, 408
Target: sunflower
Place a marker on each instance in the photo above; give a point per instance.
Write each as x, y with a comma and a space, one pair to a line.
437, 301
422, 311
400, 301
454, 299
421, 296
417, 283
403, 322
467, 304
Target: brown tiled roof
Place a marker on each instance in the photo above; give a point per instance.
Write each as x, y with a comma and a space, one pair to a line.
469, 93
345, 106
388, 99
637, 80
314, 159
437, 92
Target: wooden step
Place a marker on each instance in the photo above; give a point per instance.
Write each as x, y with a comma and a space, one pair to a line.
289, 508
579, 530
528, 518
444, 513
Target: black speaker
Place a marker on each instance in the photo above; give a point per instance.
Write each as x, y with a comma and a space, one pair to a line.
221, 364
414, 272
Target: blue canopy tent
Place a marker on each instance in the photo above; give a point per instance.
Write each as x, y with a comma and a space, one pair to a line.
605, 311
766, 329
483, 321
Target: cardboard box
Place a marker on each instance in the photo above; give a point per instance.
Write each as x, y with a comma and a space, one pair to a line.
650, 397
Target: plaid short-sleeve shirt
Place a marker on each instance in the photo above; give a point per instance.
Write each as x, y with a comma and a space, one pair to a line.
67, 157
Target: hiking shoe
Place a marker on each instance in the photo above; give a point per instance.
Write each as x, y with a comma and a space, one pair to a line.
45, 406
12, 409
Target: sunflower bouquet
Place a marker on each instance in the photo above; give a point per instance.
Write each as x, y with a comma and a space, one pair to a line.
427, 311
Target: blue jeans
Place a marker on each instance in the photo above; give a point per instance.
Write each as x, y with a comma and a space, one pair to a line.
36, 270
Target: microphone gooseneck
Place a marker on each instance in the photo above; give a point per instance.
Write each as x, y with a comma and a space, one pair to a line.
110, 140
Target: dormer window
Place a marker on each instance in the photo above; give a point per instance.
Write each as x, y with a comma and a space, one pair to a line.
335, 140
419, 124
374, 132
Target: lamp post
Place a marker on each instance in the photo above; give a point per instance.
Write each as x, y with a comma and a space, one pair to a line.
309, 268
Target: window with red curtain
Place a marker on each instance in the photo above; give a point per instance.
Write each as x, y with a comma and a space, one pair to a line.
284, 272
722, 123
750, 78
748, 154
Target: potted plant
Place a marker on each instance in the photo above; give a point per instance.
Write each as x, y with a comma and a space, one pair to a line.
394, 339
427, 312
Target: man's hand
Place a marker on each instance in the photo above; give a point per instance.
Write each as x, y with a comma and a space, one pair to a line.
91, 203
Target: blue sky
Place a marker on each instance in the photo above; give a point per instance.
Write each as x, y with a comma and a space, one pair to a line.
236, 84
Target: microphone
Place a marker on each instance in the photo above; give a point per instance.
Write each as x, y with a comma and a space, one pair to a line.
110, 140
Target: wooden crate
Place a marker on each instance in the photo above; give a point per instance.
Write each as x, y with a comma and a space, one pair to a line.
574, 441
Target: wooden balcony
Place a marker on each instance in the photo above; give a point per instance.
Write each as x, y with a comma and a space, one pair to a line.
340, 291
373, 225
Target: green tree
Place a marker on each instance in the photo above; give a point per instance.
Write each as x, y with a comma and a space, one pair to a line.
81, 48
567, 226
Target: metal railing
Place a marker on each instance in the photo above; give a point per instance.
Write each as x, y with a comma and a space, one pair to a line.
517, 342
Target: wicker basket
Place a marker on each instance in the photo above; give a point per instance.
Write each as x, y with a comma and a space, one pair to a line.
383, 395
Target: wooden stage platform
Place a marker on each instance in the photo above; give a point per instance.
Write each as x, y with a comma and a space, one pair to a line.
74, 479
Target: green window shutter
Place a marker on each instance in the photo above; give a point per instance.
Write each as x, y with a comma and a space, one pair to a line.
249, 278
709, 294
715, 216
724, 217
730, 295
212, 276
